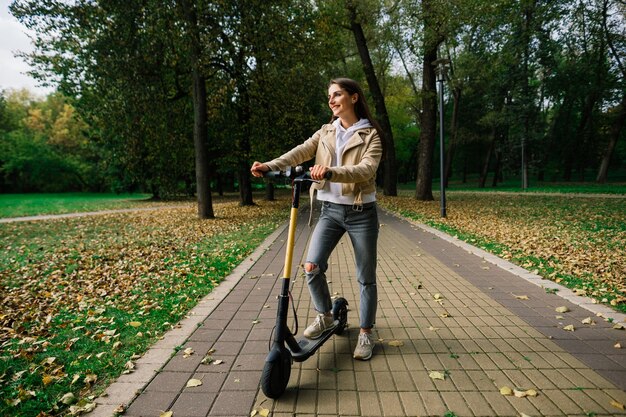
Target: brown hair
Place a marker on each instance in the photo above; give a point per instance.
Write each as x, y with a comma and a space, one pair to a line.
360, 107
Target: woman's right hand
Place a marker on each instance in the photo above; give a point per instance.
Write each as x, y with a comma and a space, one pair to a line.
258, 169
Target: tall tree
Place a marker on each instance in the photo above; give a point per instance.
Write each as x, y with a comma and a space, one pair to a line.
389, 163
200, 133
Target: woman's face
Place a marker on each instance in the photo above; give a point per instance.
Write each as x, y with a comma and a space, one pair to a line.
341, 102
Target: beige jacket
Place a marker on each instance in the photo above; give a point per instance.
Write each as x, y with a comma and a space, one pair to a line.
357, 168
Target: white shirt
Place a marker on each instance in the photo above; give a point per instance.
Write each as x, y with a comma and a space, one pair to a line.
332, 190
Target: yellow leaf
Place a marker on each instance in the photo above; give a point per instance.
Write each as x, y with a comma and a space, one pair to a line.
588, 320
396, 343
166, 414
531, 393
562, 309
253, 413
438, 296
521, 297
135, 323
188, 352
618, 326
618, 345
569, 328
437, 375
47, 379
506, 391
193, 383
264, 412
617, 404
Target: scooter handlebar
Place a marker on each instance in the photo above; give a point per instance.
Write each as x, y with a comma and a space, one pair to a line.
293, 172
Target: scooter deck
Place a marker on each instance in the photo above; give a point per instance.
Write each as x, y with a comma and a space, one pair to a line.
309, 346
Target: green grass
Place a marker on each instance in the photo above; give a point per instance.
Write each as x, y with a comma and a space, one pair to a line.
514, 186
170, 262
17, 205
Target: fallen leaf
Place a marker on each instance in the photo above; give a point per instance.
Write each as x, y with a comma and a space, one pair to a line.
193, 383
134, 323
519, 394
569, 328
264, 412
438, 296
218, 362
396, 343
434, 329
166, 414
618, 326
562, 309
68, 398
506, 391
437, 375
617, 345
256, 321
588, 320
188, 352
521, 297
254, 412
617, 404
445, 315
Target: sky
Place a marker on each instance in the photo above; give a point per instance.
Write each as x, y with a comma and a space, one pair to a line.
13, 38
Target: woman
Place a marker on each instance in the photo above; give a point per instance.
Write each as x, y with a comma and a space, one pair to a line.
350, 149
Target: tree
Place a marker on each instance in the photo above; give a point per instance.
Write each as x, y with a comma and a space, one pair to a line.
389, 163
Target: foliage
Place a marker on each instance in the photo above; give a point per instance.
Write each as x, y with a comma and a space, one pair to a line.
537, 84
44, 147
579, 242
82, 296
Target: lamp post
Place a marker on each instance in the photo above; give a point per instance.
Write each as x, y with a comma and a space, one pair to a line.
440, 68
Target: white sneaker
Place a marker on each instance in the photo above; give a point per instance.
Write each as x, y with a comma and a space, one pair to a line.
321, 325
364, 347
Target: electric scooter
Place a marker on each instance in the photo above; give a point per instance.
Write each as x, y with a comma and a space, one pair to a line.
285, 347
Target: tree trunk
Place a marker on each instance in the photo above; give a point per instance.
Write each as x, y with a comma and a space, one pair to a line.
200, 134
614, 133
454, 128
428, 117
269, 191
485, 170
496, 170
389, 162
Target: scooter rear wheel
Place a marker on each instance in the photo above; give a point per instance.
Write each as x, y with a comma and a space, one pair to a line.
276, 373
340, 312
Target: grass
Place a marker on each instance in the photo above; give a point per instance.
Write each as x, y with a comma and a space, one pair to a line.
83, 297
514, 186
17, 205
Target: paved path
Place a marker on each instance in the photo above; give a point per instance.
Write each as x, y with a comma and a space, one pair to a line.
40, 217
480, 322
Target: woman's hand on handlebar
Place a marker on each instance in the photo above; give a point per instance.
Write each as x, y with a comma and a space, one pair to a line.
258, 169
318, 172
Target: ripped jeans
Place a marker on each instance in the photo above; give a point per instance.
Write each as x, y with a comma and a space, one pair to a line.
362, 227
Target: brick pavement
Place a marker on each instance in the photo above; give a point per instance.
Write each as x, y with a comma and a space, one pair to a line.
480, 322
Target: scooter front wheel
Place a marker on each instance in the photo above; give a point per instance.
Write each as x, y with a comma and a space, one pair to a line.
276, 372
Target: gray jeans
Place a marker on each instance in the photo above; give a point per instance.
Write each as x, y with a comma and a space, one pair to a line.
362, 227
